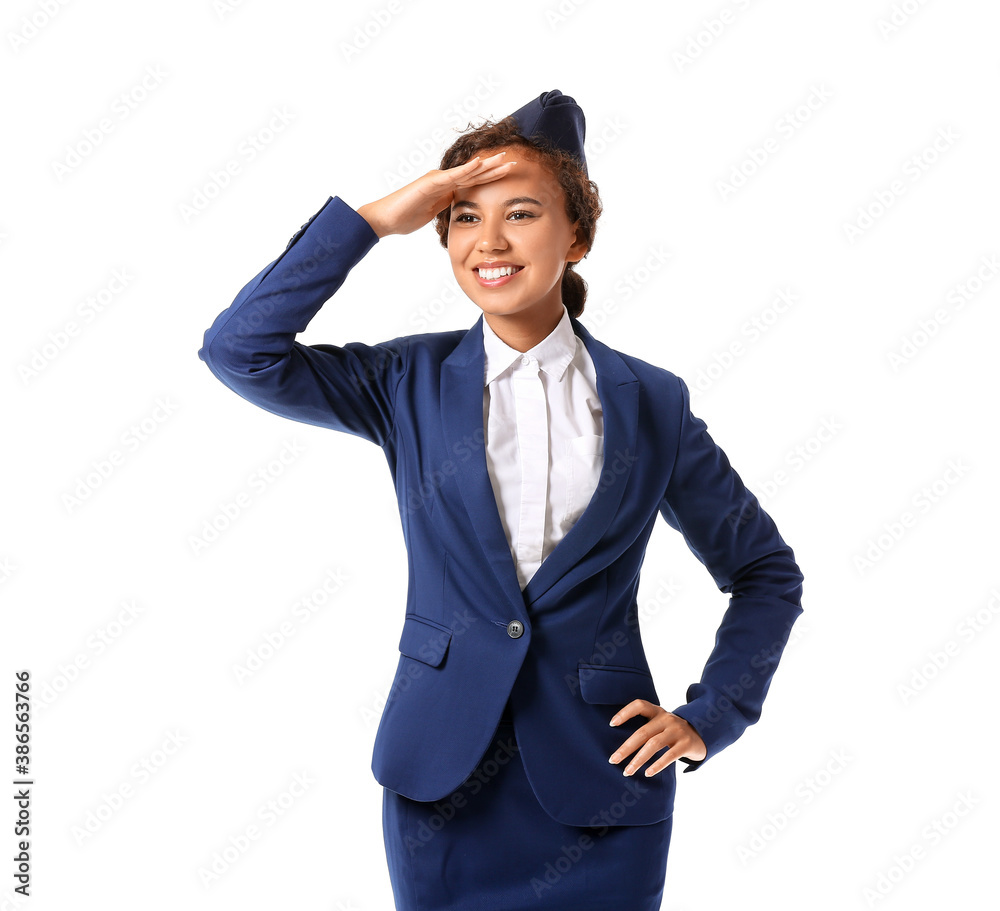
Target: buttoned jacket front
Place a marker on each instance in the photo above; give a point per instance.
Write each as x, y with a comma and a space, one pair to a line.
566, 651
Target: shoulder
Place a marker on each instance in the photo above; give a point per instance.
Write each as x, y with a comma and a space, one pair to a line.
652, 377
651, 374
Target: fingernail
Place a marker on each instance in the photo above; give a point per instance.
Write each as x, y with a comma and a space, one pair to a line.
615, 758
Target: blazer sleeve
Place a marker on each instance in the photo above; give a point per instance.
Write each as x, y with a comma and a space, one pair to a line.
251, 345
727, 530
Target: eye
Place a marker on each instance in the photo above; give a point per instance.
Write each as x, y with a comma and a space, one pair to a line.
462, 219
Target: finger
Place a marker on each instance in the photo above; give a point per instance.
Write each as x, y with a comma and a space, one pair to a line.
475, 164
626, 749
492, 159
635, 707
442, 185
454, 179
448, 179
648, 751
487, 168
488, 176
633, 743
672, 755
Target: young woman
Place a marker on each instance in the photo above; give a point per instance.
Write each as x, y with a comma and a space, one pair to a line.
530, 463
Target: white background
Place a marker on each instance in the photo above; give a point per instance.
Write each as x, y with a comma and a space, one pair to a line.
830, 801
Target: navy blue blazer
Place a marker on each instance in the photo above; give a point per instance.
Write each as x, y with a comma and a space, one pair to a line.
566, 651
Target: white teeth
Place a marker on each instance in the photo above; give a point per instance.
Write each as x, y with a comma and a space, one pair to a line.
496, 273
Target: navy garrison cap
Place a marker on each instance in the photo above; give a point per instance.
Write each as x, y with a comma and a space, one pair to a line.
556, 119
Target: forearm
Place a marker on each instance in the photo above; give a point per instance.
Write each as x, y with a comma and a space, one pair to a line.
251, 346
258, 329
738, 542
729, 697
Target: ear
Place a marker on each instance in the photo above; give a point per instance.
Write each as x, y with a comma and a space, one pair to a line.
579, 249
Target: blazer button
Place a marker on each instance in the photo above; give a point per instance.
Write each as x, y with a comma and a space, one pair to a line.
515, 629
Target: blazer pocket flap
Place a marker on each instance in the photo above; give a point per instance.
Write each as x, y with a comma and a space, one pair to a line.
615, 685
424, 640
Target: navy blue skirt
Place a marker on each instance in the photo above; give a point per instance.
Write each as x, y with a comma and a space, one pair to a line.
489, 846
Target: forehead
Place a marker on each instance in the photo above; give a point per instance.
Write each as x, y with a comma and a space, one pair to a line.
527, 178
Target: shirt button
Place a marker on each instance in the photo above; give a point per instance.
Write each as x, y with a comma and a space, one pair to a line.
515, 629
525, 360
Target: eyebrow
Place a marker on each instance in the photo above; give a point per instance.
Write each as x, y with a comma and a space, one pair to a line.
507, 203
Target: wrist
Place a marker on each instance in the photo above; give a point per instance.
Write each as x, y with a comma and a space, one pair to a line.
369, 215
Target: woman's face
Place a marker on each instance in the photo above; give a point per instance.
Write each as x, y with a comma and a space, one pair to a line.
518, 220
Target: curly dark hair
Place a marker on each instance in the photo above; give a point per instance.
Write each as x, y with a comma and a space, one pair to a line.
582, 199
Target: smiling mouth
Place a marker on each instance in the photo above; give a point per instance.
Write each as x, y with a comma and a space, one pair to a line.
499, 272
495, 278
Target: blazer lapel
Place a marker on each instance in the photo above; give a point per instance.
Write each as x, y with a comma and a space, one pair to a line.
462, 374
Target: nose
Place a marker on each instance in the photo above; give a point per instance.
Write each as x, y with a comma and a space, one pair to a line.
491, 235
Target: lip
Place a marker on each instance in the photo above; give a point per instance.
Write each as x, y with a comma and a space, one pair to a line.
496, 282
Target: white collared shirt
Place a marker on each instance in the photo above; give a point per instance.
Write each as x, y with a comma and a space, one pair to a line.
544, 439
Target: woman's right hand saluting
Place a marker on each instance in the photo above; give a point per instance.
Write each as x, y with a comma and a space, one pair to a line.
413, 206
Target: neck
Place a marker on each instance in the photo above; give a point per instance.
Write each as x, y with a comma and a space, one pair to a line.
522, 331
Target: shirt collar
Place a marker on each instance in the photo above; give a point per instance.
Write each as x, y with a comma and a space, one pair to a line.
554, 353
